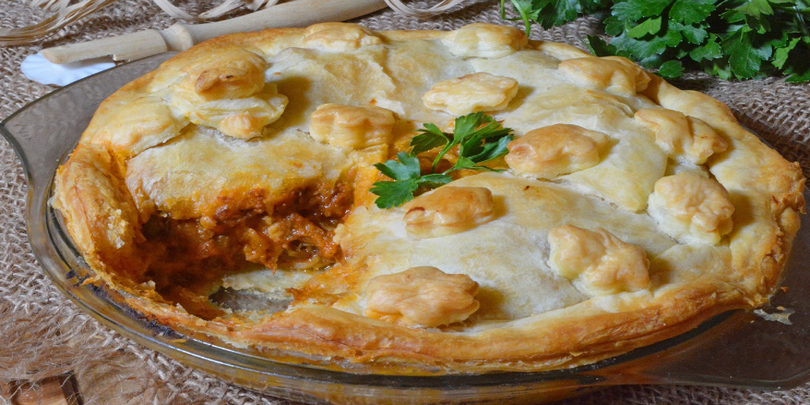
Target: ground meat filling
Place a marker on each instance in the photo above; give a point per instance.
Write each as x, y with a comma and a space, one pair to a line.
295, 232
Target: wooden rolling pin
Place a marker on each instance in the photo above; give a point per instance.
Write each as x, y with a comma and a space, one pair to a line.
179, 37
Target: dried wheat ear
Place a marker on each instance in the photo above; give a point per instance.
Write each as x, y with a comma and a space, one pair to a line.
65, 13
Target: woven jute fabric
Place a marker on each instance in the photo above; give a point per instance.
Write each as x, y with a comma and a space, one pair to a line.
42, 334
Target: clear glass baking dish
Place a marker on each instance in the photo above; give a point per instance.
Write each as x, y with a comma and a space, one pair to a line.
736, 349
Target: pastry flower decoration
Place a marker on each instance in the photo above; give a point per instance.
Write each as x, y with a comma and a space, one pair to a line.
422, 296
596, 261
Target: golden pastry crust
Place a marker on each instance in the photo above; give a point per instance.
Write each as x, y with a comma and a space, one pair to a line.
681, 135
597, 262
470, 93
448, 210
422, 296
611, 73
259, 148
352, 127
554, 150
228, 93
692, 208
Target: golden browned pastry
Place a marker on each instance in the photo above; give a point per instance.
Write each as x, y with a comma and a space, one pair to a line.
626, 211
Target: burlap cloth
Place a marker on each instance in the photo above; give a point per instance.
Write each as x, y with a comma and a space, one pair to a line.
42, 334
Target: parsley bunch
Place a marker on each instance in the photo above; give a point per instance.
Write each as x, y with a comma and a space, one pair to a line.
740, 39
479, 139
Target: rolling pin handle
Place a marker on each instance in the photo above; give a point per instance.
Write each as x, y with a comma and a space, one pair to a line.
178, 37
128, 46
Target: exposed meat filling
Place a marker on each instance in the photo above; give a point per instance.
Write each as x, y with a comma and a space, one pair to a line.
294, 232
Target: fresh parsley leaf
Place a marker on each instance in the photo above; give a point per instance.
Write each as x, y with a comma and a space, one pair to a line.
614, 26
672, 37
490, 150
599, 47
549, 13
649, 26
732, 16
799, 77
406, 167
525, 10
479, 139
468, 124
745, 57
470, 130
640, 49
694, 35
394, 193
479, 142
407, 177
635, 10
798, 63
464, 162
430, 137
690, 12
434, 180
397, 192
756, 8
721, 69
707, 52
780, 55
559, 12
671, 69
728, 38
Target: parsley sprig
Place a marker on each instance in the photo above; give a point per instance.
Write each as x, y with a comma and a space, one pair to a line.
740, 39
479, 139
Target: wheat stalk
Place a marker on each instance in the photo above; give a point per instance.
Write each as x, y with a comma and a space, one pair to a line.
64, 14
409, 11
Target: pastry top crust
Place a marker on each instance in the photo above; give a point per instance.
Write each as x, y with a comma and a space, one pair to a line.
628, 211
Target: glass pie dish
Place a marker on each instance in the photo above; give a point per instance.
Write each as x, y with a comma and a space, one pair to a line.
762, 349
